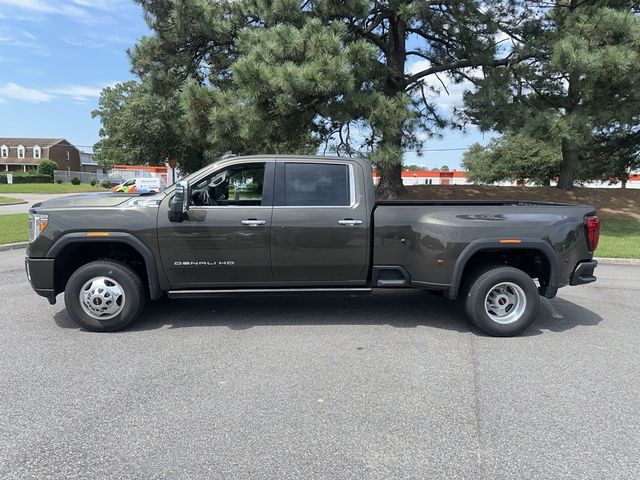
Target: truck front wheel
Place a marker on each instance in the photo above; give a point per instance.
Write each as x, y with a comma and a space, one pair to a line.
104, 296
501, 301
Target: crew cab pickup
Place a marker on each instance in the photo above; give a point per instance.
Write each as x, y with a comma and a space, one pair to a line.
273, 223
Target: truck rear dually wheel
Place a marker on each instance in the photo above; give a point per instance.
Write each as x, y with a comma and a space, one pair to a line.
104, 296
501, 301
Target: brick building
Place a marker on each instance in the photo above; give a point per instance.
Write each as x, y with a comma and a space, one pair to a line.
24, 154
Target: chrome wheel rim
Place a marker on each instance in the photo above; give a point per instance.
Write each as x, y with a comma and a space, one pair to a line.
505, 303
102, 298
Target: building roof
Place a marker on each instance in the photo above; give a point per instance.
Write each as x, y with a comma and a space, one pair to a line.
30, 142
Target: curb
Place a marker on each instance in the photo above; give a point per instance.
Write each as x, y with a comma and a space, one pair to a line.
13, 246
618, 261
13, 203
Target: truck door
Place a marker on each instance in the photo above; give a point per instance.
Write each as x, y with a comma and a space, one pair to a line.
319, 232
225, 238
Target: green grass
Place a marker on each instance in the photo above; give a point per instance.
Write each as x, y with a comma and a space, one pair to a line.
619, 237
9, 200
48, 188
13, 228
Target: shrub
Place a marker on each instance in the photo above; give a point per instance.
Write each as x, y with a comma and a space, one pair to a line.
58, 181
75, 181
21, 177
93, 182
106, 184
46, 167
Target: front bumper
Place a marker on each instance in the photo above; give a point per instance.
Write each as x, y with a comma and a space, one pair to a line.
583, 273
40, 275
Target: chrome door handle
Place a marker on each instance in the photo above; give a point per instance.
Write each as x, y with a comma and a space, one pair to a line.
349, 221
253, 221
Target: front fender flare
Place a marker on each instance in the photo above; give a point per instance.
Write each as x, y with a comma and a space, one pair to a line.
114, 237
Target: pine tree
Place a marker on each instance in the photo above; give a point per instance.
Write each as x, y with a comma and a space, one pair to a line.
579, 82
299, 76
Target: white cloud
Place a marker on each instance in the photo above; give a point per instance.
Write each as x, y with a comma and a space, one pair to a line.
77, 93
65, 8
17, 92
101, 4
20, 39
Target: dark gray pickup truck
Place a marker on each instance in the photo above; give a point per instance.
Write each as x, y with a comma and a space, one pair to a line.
274, 224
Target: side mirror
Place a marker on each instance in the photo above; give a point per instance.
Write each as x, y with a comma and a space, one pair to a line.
179, 204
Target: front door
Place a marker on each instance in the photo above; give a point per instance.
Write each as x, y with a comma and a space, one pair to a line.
319, 224
225, 239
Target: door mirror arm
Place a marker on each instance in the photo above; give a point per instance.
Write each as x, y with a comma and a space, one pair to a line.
179, 204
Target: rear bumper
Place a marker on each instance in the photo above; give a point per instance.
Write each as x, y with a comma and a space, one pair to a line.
583, 273
40, 275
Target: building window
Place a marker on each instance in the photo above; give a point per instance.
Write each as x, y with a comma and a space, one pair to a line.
68, 155
37, 152
4, 151
20, 151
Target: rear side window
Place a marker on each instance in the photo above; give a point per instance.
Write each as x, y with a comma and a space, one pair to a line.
316, 184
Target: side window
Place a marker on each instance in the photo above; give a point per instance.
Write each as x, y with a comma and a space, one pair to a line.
236, 185
316, 184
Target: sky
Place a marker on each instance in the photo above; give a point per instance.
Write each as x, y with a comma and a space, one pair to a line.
57, 55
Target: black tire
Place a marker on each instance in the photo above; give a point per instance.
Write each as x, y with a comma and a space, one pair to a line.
485, 281
132, 302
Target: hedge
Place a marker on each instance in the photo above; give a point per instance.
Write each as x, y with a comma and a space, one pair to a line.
26, 178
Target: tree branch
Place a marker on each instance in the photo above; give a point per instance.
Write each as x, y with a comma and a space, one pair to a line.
499, 62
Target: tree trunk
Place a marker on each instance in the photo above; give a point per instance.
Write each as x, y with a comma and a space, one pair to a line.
390, 185
569, 165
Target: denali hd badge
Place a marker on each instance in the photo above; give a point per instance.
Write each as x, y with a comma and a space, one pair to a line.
204, 264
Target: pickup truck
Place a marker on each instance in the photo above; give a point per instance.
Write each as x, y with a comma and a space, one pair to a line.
286, 224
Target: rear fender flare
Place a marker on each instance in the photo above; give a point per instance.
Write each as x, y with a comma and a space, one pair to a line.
494, 244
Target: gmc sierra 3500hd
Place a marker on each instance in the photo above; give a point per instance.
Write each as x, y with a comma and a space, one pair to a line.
273, 223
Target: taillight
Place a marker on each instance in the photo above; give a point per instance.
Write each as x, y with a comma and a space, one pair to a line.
592, 225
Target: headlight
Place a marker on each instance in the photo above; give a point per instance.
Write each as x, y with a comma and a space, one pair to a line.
37, 223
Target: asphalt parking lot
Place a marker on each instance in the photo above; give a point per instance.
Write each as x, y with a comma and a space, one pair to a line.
393, 385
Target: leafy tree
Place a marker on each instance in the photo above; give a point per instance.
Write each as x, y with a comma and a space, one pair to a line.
616, 153
580, 78
47, 167
444, 168
515, 158
414, 167
352, 77
140, 127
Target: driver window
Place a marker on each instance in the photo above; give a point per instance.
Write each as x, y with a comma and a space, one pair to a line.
236, 185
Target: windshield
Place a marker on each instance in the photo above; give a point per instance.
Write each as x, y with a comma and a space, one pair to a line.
189, 177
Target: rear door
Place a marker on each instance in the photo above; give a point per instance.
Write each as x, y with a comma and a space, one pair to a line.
319, 223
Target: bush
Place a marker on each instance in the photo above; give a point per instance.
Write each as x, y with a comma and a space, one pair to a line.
59, 181
21, 177
93, 182
106, 184
46, 167
75, 181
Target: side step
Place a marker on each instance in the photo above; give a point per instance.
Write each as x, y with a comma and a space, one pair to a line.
260, 291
